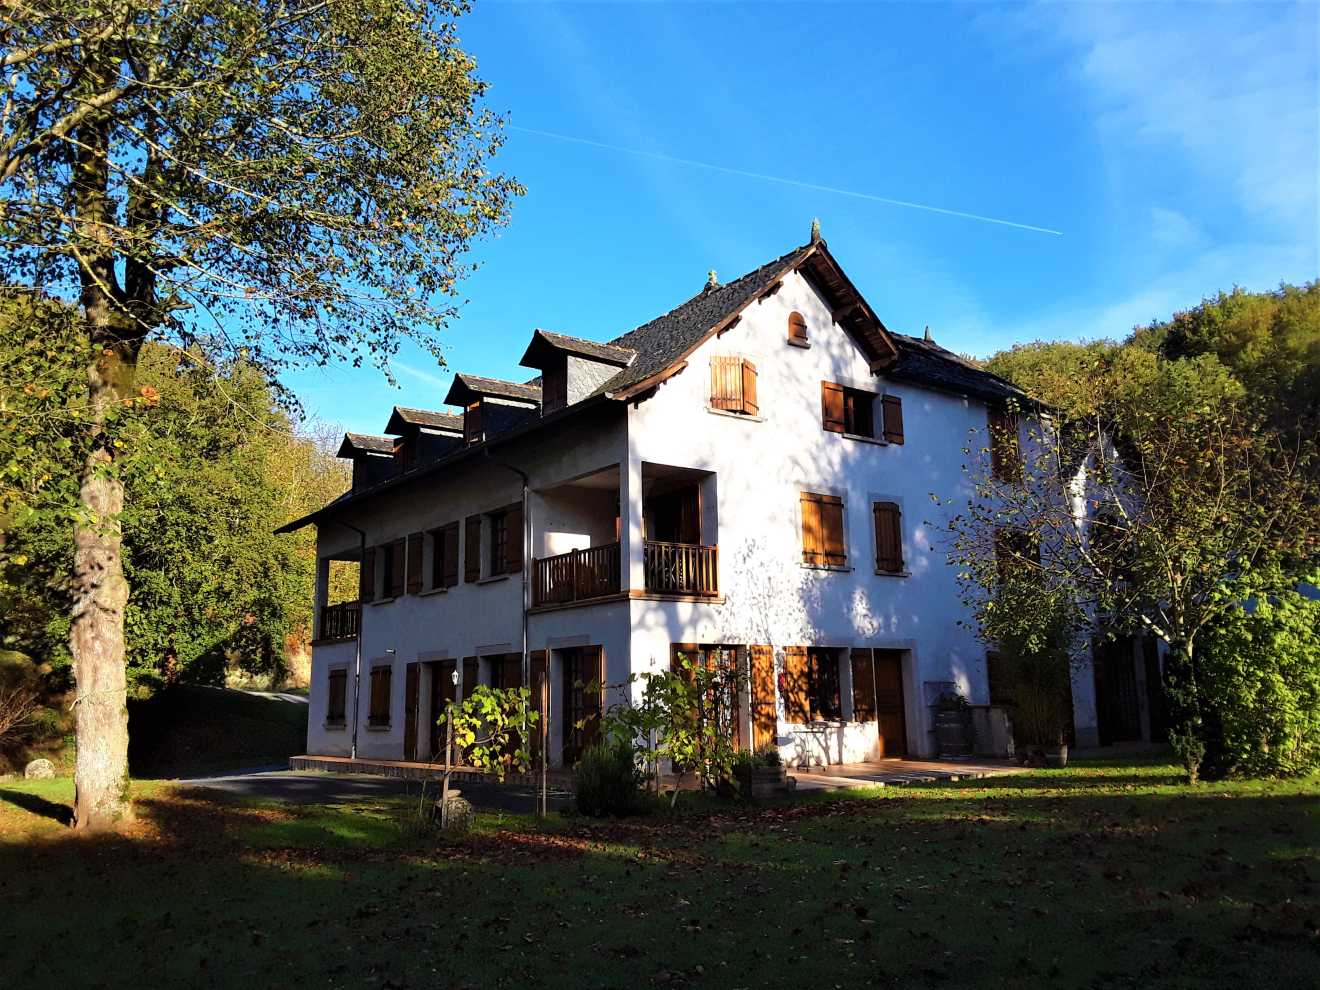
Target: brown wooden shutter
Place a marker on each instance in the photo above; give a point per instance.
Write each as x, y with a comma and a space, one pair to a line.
888, 537
831, 530
891, 408
749, 405
367, 576
512, 670
863, 684
415, 543
811, 544
726, 383
831, 407
797, 328
765, 721
381, 686
451, 555
411, 702
472, 549
513, 538
797, 686
338, 697
593, 671
397, 563
471, 677
472, 425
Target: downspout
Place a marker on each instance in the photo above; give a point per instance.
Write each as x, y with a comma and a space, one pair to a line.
357, 660
526, 559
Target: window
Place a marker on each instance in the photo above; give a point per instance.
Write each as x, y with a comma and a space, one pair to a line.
1017, 553
717, 707
797, 328
392, 567
823, 668
336, 697
472, 427
847, 410
888, 536
444, 556
381, 678
554, 388
499, 541
891, 407
367, 576
733, 385
822, 530
581, 708
1005, 463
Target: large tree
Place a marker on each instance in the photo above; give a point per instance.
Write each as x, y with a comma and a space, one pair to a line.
289, 183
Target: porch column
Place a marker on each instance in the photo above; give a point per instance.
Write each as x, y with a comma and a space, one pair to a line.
320, 594
630, 525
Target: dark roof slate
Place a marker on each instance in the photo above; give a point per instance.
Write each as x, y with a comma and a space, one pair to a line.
925, 362
358, 443
665, 340
466, 385
608, 353
425, 417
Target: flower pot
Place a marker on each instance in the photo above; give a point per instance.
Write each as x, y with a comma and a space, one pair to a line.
1056, 756
761, 782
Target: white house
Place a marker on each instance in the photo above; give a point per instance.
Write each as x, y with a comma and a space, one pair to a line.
743, 479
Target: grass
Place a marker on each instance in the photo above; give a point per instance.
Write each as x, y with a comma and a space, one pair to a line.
187, 731
1097, 876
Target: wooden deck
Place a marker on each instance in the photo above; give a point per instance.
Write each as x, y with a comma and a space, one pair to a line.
557, 777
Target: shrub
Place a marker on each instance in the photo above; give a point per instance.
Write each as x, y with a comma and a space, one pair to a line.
609, 781
1260, 672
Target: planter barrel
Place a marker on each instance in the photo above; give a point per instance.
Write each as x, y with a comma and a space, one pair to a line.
762, 782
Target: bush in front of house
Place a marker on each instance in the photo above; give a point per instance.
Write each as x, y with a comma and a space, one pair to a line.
609, 782
1260, 672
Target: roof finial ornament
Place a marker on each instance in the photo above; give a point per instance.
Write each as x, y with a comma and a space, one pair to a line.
815, 230
713, 282
928, 336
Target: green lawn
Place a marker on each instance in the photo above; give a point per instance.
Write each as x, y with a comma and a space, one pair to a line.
1096, 876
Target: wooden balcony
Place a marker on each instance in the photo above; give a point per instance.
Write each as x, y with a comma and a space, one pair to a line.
340, 621
576, 576
681, 569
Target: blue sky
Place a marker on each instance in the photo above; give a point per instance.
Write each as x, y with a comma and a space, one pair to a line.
1173, 146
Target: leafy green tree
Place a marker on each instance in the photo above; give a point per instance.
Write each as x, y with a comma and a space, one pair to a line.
282, 183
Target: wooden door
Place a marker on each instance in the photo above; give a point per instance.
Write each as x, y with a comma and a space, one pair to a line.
1150, 655
765, 726
889, 707
1116, 707
411, 701
443, 691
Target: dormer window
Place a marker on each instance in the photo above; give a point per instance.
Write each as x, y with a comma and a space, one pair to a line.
472, 428
554, 388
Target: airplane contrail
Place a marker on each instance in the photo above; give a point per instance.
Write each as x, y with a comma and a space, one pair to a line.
787, 182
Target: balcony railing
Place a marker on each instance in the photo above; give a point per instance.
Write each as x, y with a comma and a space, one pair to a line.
681, 568
340, 621
576, 576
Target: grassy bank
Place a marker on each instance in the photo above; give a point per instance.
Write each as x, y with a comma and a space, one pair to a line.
1095, 876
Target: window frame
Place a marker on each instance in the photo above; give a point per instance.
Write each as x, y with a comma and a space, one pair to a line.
497, 543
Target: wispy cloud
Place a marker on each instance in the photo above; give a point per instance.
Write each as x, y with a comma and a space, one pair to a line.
409, 370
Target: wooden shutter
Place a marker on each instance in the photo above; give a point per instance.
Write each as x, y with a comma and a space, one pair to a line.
472, 549
811, 546
888, 537
472, 425
831, 407
765, 722
415, 542
863, 685
1004, 461
592, 671
381, 686
367, 576
471, 672
411, 702
726, 383
512, 671
749, 405
796, 686
797, 328
450, 533
338, 697
831, 530
891, 409
513, 538
398, 563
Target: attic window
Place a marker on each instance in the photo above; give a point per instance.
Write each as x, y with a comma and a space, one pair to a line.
554, 388
472, 428
797, 328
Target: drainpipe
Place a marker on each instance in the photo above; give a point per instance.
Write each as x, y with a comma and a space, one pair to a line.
357, 660
526, 559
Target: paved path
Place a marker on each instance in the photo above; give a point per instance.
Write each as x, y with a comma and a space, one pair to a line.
896, 773
318, 787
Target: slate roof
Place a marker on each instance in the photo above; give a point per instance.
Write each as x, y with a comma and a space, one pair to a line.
665, 340
925, 362
465, 385
424, 417
608, 353
357, 443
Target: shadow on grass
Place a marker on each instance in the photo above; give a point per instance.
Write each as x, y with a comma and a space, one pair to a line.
61, 813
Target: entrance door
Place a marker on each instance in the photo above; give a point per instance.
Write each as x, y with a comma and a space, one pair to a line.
765, 725
442, 692
889, 707
1150, 655
1117, 710
581, 708
411, 701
